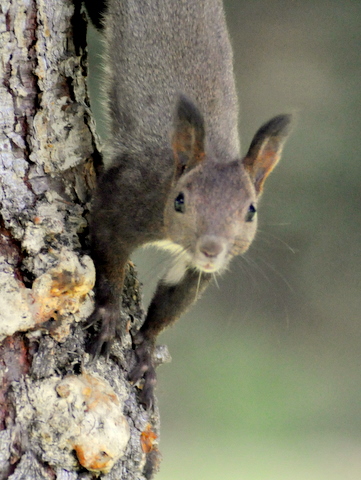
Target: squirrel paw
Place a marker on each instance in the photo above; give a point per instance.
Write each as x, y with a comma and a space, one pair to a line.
101, 343
144, 369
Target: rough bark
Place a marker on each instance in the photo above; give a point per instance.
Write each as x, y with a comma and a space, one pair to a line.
62, 415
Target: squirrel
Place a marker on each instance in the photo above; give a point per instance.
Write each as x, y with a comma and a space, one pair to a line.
176, 177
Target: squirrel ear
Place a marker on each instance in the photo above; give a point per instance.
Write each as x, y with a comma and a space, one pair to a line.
266, 148
188, 137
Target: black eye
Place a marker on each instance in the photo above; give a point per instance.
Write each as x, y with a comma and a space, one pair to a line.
251, 213
179, 203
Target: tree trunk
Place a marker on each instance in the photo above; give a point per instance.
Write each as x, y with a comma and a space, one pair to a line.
62, 414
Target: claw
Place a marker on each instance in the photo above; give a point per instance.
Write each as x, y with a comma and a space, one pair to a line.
144, 369
138, 372
101, 344
147, 393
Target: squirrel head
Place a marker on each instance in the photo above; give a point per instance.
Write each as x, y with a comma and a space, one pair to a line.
211, 210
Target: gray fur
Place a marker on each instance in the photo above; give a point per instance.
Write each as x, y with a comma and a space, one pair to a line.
157, 50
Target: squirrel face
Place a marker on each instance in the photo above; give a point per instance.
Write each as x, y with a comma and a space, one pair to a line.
210, 216
211, 209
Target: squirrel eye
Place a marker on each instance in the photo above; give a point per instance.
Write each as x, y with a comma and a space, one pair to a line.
251, 213
179, 205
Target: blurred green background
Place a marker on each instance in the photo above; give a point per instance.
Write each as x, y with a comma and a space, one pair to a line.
265, 378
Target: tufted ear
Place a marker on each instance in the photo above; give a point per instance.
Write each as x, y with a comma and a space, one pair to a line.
266, 148
188, 137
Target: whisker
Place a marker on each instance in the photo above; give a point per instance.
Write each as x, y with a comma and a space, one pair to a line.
198, 283
281, 224
160, 266
287, 245
215, 280
269, 265
249, 261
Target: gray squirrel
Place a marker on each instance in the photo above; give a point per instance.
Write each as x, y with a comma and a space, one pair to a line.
176, 178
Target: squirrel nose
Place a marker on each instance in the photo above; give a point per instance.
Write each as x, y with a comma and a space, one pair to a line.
211, 247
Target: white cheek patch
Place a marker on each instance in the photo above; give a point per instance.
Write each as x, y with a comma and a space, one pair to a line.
176, 272
180, 263
169, 246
